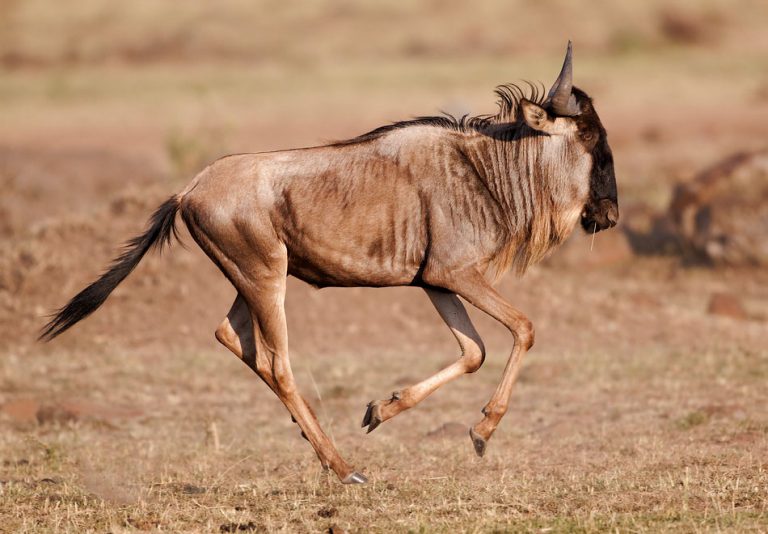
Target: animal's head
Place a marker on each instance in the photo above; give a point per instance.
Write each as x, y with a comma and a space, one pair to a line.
568, 111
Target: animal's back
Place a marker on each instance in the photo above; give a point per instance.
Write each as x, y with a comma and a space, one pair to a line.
349, 214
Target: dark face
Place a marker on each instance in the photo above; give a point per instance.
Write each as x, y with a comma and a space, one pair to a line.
602, 208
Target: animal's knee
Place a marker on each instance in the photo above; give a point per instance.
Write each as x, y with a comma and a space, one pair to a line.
525, 334
474, 356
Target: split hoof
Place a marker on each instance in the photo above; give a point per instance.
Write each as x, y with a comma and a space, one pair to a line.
355, 478
372, 417
478, 441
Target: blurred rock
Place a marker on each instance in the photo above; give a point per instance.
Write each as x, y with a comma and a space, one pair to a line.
648, 231
726, 305
721, 215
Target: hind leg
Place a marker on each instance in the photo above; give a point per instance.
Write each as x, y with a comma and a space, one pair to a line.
255, 330
236, 332
264, 294
255, 261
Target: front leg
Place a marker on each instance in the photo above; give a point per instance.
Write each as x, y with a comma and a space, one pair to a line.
473, 287
455, 316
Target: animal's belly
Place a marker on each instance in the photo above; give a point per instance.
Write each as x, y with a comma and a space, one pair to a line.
372, 266
369, 231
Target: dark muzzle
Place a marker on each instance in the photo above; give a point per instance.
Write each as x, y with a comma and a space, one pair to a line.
600, 216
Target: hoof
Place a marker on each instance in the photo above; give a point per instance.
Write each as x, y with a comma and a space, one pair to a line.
354, 478
478, 442
372, 417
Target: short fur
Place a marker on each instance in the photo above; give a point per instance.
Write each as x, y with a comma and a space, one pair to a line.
436, 202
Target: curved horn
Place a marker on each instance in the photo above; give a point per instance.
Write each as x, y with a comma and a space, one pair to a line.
560, 97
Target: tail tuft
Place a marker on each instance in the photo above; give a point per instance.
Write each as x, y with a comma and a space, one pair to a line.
161, 227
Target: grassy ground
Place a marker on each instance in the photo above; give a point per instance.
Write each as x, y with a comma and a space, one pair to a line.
636, 411
642, 440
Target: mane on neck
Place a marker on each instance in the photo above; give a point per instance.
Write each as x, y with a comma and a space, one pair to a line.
509, 97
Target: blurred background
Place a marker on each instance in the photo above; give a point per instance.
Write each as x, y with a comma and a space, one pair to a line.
652, 346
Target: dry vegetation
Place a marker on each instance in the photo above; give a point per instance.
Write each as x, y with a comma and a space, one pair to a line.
636, 411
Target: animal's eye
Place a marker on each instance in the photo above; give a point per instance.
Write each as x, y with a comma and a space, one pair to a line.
587, 137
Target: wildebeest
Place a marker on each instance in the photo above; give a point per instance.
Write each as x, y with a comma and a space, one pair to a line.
444, 204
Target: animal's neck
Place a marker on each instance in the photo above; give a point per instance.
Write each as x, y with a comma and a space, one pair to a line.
528, 176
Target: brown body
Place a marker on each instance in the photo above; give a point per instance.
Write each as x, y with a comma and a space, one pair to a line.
394, 210
442, 204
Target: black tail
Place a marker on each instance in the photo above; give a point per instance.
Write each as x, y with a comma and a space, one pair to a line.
161, 227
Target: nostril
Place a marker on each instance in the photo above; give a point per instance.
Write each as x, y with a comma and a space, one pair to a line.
612, 214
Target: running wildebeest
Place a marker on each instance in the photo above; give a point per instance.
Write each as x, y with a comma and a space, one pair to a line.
440, 203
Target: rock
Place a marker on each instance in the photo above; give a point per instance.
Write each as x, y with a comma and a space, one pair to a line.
720, 215
726, 305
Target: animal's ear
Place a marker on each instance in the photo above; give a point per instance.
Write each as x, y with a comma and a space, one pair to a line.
537, 117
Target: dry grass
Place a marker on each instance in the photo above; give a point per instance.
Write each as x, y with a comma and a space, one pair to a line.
594, 442
636, 411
